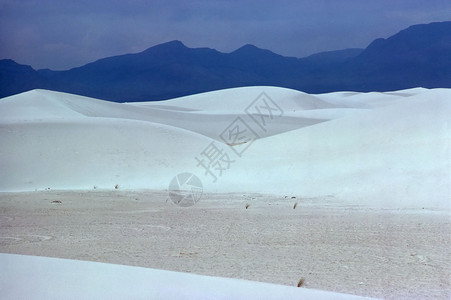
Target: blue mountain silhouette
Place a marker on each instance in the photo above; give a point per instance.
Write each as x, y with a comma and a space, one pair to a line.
419, 56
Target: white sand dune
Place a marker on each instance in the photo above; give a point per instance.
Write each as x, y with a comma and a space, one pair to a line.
33, 277
362, 148
97, 153
237, 99
40, 105
396, 156
383, 150
369, 100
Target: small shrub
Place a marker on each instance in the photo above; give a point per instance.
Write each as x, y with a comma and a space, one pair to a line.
301, 282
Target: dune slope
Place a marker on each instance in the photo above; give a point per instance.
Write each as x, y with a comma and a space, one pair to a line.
368, 148
23, 277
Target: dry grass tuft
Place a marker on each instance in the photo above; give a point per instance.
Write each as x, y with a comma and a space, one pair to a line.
301, 282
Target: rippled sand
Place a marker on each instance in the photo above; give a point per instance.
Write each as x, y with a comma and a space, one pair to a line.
370, 252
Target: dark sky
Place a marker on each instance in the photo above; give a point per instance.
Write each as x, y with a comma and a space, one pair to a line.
65, 34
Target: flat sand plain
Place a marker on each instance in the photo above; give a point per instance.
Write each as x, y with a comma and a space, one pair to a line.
386, 253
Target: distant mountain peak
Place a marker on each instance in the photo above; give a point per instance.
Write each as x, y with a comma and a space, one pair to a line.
175, 44
250, 49
416, 43
9, 63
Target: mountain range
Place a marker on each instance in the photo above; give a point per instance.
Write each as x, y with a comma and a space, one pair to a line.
419, 56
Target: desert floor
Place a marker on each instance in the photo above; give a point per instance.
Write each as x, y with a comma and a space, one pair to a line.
365, 251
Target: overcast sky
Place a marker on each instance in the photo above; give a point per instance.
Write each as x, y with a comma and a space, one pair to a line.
64, 34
